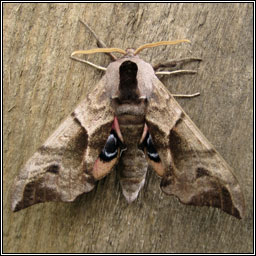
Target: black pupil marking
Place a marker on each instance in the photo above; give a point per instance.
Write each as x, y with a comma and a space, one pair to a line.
151, 150
53, 168
111, 145
110, 151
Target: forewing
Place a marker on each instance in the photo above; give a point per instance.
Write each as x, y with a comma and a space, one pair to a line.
60, 168
195, 172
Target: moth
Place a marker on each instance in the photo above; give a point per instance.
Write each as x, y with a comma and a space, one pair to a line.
129, 120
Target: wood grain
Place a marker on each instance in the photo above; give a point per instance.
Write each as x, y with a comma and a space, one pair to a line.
42, 85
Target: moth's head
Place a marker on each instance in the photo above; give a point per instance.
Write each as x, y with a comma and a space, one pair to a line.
129, 52
129, 77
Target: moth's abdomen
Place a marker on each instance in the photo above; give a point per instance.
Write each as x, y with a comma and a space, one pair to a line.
130, 107
132, 170
132, 165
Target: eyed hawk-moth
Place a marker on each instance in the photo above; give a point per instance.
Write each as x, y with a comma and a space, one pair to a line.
128, 120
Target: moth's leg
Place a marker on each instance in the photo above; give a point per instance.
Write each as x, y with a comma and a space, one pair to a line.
175, 67
186, 95
100, 43
175, 64
89, 63
175, 72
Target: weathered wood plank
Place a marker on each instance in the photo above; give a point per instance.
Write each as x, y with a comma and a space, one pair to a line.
42, 85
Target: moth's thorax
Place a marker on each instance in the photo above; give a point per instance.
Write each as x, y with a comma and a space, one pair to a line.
129, 100
128, 76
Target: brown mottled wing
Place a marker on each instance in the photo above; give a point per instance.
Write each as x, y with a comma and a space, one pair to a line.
60, 168
195, 172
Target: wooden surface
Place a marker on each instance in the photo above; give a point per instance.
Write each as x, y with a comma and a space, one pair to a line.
42, 85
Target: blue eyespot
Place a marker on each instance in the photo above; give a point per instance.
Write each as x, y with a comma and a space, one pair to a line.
150, 148
110, 149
